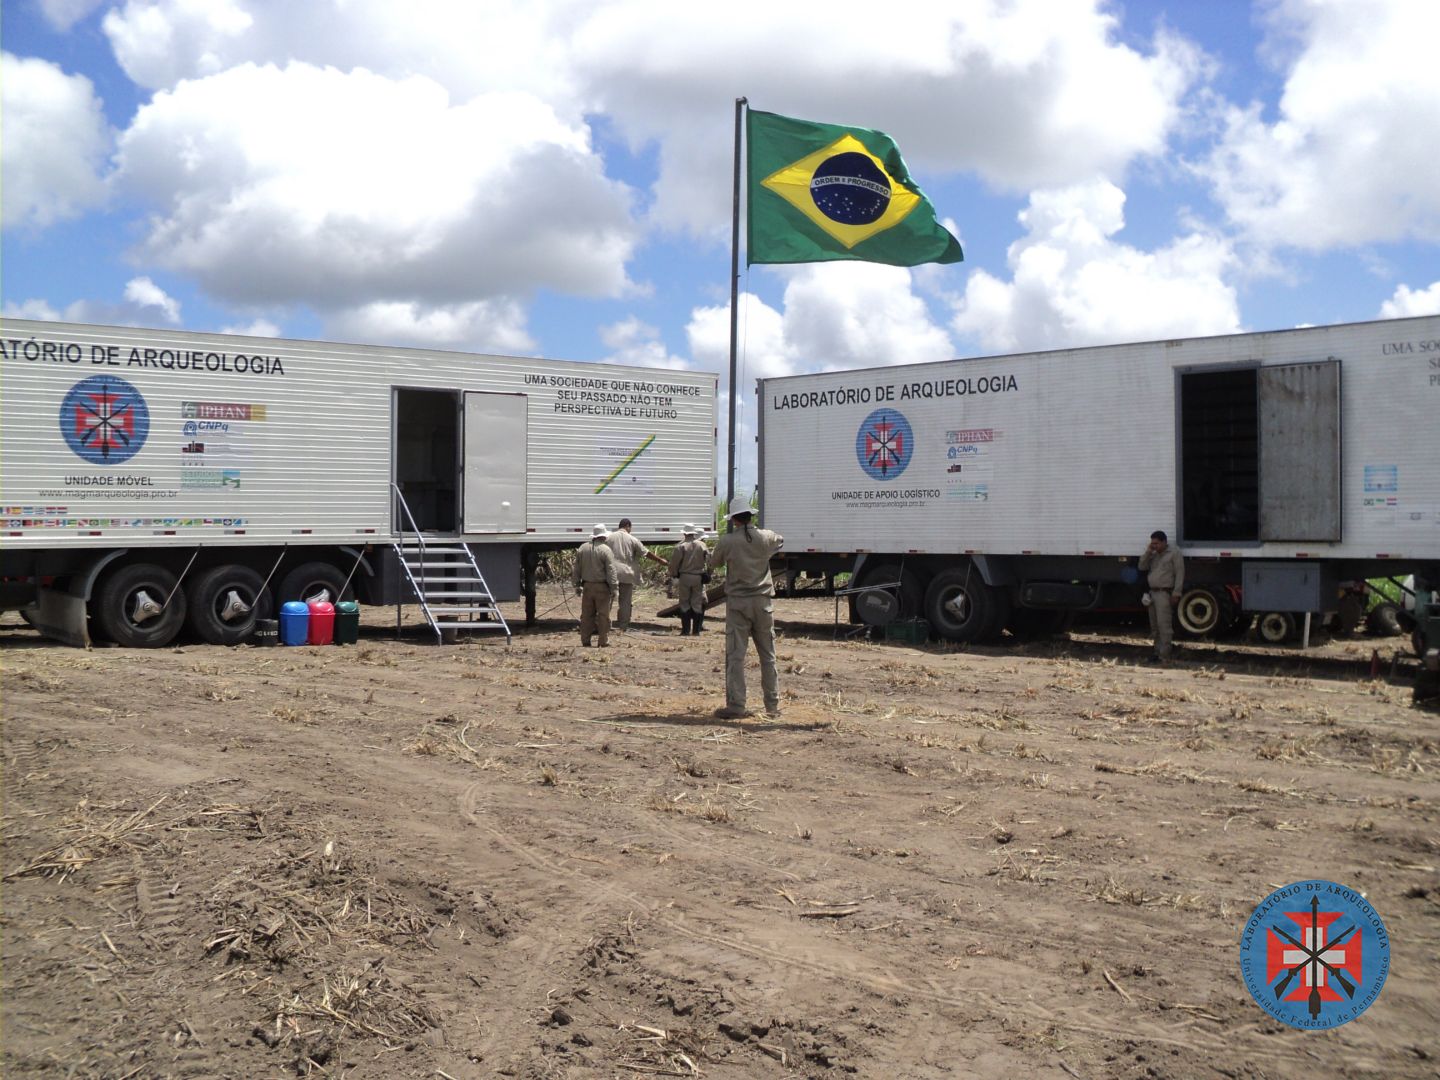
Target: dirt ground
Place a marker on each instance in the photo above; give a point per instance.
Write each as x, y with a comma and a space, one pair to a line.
535, 860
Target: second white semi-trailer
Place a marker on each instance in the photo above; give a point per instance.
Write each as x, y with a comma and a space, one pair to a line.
1006, 491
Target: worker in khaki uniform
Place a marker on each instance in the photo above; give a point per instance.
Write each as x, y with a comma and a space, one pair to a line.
1165, 580
629, 550
595, 581
749, 613
687, 569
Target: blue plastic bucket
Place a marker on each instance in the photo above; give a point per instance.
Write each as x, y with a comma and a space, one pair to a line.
294, 623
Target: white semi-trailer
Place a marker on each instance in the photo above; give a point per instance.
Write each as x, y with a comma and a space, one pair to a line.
1004, 492
150, 479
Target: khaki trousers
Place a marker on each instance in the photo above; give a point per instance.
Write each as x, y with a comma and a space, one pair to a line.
750, 618
1162, 626
690, 593
595, 612
622, 616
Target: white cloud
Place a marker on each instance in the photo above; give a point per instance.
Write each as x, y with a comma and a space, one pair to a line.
144, 294
1350, 158
493, 326
64, 14
160, 43
31, 309
638, 344
259, 327
144, 304
1408, 301
54, 143
1022, 93
1025, 93
852, 314
1073, 284
342, 190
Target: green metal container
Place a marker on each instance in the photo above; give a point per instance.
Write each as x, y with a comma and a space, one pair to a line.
347, 622
910, 631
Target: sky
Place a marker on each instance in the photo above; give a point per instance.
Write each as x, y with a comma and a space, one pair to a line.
553, 177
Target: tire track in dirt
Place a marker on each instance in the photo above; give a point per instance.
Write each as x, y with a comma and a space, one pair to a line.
881, 981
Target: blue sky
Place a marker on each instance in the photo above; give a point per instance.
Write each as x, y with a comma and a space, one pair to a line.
552, 177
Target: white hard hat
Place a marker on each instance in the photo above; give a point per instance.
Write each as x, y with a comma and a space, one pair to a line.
689, 530
599, 530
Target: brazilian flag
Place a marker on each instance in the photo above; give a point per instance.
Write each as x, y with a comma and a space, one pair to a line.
819, 192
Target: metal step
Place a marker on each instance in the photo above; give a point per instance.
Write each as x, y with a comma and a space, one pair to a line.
444, 576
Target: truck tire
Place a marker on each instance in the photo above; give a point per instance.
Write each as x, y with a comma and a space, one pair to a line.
125, 607
220, 592
1198, 614
911, 595
959, 605
313, 581
1384, 619
1275, 627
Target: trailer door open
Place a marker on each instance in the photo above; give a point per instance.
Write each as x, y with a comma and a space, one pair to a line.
1300, 451
1260, 453
496, 437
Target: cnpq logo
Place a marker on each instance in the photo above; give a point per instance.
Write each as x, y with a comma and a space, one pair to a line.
1315, 954
104, 420
884, 444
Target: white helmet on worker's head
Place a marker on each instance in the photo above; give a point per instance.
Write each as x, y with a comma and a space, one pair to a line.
742, 514
599, 531
689, 530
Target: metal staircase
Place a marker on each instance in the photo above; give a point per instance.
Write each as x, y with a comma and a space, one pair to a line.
447, 581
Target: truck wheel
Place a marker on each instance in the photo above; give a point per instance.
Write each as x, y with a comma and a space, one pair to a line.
1275, 627
959, 605
128, 606
224, 603
1199, 613
1384, 619
313, 581
910, 595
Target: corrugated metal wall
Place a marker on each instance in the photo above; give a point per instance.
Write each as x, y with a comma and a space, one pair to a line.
253, 440
1074, 452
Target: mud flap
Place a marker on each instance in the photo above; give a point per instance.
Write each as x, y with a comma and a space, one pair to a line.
62, 616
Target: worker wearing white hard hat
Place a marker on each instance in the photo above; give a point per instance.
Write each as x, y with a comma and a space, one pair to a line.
745, 552
687, 568
596, 581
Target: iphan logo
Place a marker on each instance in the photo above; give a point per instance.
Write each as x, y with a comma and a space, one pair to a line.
104, 420
884, 444
1315, 954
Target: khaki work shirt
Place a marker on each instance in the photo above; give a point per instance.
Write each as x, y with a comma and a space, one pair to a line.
745, 553
1166, 570
688, 558
595, 562
628, 552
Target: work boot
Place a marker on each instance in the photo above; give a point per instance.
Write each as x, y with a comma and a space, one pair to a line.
684, 624
734, 712
773, 711
699, 622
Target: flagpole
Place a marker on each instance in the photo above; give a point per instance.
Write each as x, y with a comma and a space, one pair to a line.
740, 103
